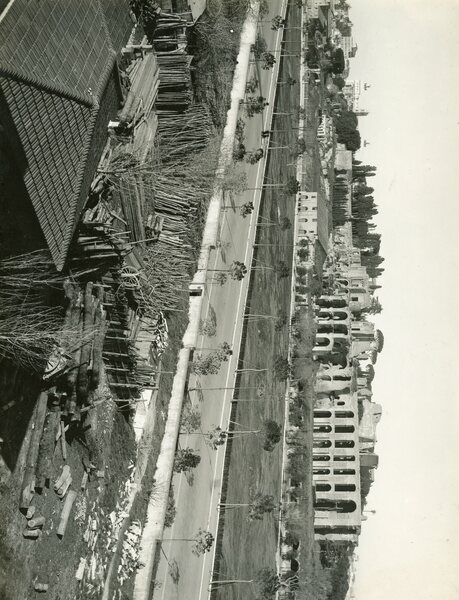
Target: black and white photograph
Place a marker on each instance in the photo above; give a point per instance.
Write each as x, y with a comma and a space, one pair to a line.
229, 271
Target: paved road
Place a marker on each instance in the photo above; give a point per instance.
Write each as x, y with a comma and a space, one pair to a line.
181, 574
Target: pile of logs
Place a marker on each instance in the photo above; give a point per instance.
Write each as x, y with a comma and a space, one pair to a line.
170, 32
34, 526
175, 91
101, 241
127, 372
86, 314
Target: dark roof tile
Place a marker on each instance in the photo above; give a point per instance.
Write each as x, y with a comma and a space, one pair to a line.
56, 75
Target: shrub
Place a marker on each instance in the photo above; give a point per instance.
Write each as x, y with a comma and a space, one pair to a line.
170, 510
301, 271
295, 416
281, 368
185, 460
291, 538
207, 365
273, 434
303, 254
259, 47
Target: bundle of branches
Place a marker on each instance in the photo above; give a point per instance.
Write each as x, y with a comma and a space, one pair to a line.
170, 33
175, 82
31, 313
177, 184
185, 133
165, 278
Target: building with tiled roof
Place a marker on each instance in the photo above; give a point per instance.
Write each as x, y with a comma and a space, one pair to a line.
59, 88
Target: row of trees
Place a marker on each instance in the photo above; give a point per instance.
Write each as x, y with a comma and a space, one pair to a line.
363, 211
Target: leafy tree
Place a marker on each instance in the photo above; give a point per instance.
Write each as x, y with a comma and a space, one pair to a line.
289, 81
246, 209
292, 186
185, 460
361, 172
303, 254
338, 61
285, 223
261, 504
339, 82
170, 510
347, 120
361, 189
208, 326
282, 368
259, 47
264, 8
216, 437
299, 148
301, 271
269, 60
291, 538
268, 584
281, 321
351, 140
191, 419
267, 581
238, 270
277, 22
224, 351
208, 364
282, 269
273, 434
254, 156
255, 105
239, 152
251, 86
203, 542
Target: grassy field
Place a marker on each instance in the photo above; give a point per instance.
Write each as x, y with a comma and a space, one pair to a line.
244, 548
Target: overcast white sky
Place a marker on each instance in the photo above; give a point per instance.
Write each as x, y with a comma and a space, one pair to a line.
409, 53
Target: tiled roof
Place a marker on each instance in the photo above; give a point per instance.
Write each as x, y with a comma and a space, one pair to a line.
119, 22
56, 77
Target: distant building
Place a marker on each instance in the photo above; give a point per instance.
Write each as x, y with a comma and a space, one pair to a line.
348, 47
352, 92
345, 418
312, 219
336, 469
323, 11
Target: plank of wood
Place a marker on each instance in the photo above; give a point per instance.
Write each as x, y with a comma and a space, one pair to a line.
65, 514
